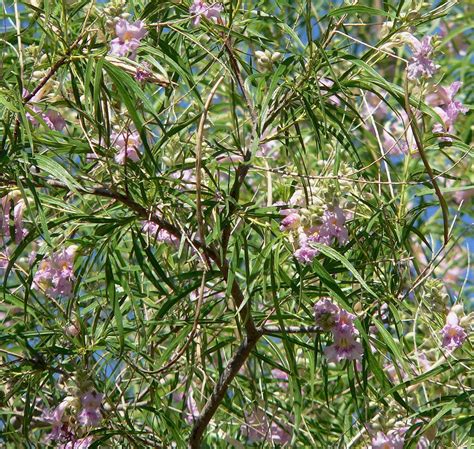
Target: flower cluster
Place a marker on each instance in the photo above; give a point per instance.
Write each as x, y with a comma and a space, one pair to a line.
266, 59
325, 230
397, 134
201, 9
63, 419
420, 64
330, 318
128, 38
55, 274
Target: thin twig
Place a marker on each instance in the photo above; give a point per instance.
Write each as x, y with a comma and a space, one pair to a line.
419, 144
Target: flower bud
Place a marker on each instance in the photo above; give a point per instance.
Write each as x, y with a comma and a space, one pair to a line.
467, 320
458, 309
276, 56
358, 307
73, 330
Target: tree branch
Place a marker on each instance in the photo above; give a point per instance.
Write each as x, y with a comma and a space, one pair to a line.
220, 389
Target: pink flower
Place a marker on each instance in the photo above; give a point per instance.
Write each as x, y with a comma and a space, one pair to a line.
200, 9
345, 322
60, 428
18, 211
453, 334
447, 108
420, 64
258, 429
90, 414
326, 314
55, 120
150, 227
56, 273
52, 119
193, 410
282, 376
128, 38
158, 234
395, 439
463, 195
398, 138
82, 443
305, 254
333, 226
127, 144
291, 221
345, 347
387, 441
143, 73
186, 177
325, 84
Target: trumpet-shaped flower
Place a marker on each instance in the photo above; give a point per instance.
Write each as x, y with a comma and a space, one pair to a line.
326, 314
90, 414
59, 426
52, 119
128, 38
387, 441
281, 376
305, 254
453, 334
56, 273
201, 9
447, 108
333, 226
291, 221
345, 347
420, 64
158, 234
127, 144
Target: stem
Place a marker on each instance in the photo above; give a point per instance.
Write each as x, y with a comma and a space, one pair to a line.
220, 389
424, 158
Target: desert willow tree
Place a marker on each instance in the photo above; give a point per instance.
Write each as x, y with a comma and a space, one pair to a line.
239, 223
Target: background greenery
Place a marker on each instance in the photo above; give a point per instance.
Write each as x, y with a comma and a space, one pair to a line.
132, 299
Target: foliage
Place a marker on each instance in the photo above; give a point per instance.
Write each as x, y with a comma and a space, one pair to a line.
209, 215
